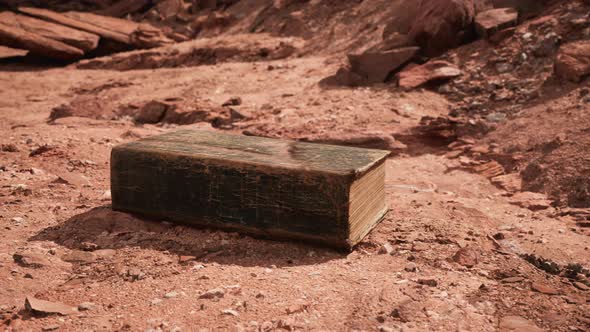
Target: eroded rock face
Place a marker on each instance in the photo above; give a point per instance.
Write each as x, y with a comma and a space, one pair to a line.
442, 24
573, 61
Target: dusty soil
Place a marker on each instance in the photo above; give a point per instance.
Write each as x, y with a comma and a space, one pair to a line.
455, 252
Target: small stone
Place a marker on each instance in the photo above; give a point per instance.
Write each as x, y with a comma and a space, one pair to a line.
135, 274
230, 312
30, 259
28, 276
8, 148
544, 289
511, 280
212, 293
88, 246
185, 259
517, 323
80, 257
466, 256
171, 295
51, 327
386, 249
491, 21
428, 282
411, 267
106, 196
296, 308
233, 101
581, 286
156, 301
85, 306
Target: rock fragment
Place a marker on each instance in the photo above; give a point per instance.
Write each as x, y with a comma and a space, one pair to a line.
544, 289
517, 324
30, 259
212, 294
491, 21
374, 67
386, 249
436, 70
428, 281
573, 61
466, 256
85, 306
42, 307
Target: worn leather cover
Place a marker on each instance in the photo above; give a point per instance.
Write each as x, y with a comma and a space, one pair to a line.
262, 186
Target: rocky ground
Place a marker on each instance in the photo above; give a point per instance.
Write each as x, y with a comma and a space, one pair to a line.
487, 184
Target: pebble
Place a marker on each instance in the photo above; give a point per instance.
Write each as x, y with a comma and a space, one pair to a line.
84, 306
511, 280
212, 293
544, 289
411, 267
386, 249
171, 295
230, 312
581, 286
51, 327
428, 282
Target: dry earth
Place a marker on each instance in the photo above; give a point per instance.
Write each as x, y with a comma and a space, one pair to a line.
455, 252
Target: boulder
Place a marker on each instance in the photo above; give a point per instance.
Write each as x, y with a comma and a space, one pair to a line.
76, 38
374, 67
491, 21
573, 61
20, 38
441, 25
435, 70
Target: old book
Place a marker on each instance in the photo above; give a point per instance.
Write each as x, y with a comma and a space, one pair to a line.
331, 195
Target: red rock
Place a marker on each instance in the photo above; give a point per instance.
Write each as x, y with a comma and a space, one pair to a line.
46, 307
374, 67
430, 71
573, 61
517, 324
30, 259
581, 286
509, 182
511, 280
442, 25
19, 38
490, 169
76, 38
491, 21
7, 52
467, 257
124, 7
531, 201
542, 288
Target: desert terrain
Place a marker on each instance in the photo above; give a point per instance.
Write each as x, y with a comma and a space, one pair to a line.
488, 182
